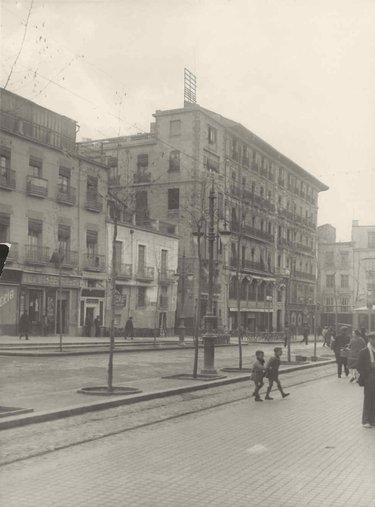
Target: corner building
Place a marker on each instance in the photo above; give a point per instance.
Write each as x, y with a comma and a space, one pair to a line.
51, 200
268, 202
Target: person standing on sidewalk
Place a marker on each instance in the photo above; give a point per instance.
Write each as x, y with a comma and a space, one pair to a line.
272, 373
97, 326
357, 343
129, 329
305, 333
286, 335
257, 373
339, 343
366, 370
24, 325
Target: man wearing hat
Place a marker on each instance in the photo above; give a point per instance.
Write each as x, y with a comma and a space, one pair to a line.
366, 369
340, 342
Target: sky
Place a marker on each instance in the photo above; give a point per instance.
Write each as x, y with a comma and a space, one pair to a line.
298, 73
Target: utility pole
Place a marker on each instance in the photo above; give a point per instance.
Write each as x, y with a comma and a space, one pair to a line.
238, 292
113, 302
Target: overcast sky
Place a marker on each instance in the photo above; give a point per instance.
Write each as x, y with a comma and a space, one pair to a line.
298, 73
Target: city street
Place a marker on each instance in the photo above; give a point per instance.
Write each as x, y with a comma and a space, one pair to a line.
307, 450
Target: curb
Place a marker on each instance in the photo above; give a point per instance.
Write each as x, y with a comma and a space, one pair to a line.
17, 421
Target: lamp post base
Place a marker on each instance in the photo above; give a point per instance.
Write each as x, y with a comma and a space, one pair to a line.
181, 330
209, 340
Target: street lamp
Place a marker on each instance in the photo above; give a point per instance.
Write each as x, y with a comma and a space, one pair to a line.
58, 258
269, 300
209, 337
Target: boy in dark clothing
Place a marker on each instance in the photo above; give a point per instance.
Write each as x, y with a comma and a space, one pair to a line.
272, 373
129, 329
341, 341
257, 373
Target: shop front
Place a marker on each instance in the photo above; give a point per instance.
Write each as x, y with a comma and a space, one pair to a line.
9, 300
47, 305
91, 306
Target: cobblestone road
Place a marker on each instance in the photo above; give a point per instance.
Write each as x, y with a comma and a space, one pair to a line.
307, 450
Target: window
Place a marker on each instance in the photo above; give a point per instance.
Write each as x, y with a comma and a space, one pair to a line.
63, 237
344, 260
329, 258
211, 162
173, 198
91, 242
4, 227
141, 258
4, 161
371, 239
34, 236
35, 167
344, 281
141, 206
329, 304
174, 161
92, 185
330, 281
345, 301
141, 296
212, 136
142, 161
175, 128
164, 261
220, 205
64, 179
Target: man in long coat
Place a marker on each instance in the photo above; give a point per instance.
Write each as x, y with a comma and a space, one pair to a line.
366, 370
24, 325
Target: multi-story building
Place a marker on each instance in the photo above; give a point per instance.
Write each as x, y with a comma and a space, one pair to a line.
52, 200
363, 238
268, 202
347, 276
336, 279
146, 277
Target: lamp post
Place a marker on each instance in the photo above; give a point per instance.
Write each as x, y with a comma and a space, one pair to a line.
269, 300
287, 320
369, 264
182, 276
57, 258
210, 335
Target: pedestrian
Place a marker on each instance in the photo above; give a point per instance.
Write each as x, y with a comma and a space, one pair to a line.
305, 333
357, 343
272, 373
286, 335
44, 323
366, 370
97, 326
257, 373
324, 335
88, 325
24, 325
339, 346
129, 329
363, 334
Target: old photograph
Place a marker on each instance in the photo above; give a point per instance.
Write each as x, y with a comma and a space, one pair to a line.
187, 253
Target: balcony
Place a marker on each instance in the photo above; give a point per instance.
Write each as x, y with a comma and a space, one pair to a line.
252, 231
282, 242
255, 167
8, 180
167, 276
281, 182
142, 177
303, 248
248, 265
306, 276
145, 273
13, 252
66, 195
163, 302
94, 201
37, 255
93, 262
124, 271
70, 259
36, 187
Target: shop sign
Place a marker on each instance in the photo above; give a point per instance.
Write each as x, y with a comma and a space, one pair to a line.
49, 280
7, 296
8, 305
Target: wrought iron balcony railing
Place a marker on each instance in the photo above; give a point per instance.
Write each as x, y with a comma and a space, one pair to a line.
145, 273
66, 195
94, 201
37, 187
37, 255
167, 276
124, 271
93, 262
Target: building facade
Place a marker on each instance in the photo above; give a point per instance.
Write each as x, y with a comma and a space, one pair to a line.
268, 203
146, 278
347, 277
52, 201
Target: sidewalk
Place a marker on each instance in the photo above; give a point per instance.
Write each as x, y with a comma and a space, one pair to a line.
308, 450
49, 385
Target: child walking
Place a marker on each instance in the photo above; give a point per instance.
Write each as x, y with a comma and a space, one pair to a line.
272, 373
257, 373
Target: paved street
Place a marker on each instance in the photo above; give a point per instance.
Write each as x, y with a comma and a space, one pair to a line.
48, 383
307, 450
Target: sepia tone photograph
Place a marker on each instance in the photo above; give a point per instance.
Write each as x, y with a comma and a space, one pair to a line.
187, 253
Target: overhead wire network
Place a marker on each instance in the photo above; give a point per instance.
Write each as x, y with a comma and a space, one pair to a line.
118, 116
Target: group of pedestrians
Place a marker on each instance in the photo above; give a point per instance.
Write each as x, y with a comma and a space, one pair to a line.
269, 370
356, 355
